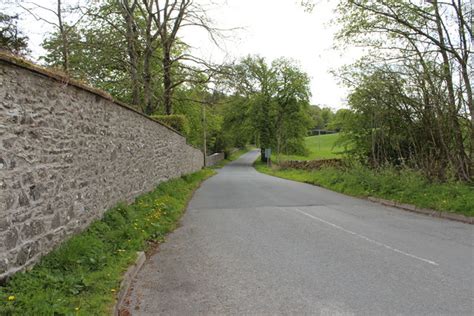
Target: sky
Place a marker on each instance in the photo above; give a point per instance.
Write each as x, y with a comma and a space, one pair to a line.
269, 28
282, 28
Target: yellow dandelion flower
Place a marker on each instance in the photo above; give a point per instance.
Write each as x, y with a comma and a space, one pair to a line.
112, 290
11, 298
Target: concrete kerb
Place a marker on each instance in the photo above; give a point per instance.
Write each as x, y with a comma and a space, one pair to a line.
127, 281
429, 212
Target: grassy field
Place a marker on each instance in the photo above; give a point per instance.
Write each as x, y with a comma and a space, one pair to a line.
320, 147
82, 276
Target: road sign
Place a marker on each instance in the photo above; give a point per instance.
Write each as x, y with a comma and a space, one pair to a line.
268, 152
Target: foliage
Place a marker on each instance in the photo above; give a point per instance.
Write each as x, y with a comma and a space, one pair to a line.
175, 121
112, 49
121, 47
238, 129
11, 38
270, 104
82, 276
389, 124
316, 117
337, 120
98, 53
192, 103
404, 186
412, 99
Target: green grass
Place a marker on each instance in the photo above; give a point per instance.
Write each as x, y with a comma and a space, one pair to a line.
320, 147
234, 156
82, 276
405, 186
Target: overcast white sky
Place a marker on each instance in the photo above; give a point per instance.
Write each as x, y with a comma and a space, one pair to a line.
272, 29
282, 28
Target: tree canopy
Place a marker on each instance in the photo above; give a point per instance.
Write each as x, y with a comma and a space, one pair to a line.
412, 96
271, 104
11, 38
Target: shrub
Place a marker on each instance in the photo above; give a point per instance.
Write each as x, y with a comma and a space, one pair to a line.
176, 121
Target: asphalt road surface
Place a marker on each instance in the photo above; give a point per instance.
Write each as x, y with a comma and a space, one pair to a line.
257, 245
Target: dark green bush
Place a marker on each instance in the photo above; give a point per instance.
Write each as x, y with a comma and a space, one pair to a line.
176, 121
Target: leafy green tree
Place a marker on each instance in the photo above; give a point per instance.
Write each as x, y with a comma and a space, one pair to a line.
327, 115
271, 104
193, 102
420, 53
96, 55
11, 38
131, 48
316, 118
115, 48
337, 121
106, 51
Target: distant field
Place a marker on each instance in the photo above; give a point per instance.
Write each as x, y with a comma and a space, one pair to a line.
320, 147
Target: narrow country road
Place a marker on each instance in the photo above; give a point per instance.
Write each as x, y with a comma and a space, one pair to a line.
258, 245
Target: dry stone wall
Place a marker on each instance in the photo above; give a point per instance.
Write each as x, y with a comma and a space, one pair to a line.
68, 154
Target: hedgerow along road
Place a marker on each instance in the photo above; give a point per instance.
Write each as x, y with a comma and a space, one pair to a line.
255, 244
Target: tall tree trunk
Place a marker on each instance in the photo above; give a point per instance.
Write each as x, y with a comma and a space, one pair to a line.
460, 162
467, 57
167, 93
147, 87
64, 39
147, 55
132, 37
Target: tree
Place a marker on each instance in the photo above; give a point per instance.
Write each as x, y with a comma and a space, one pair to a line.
157, 60
315, 114
63, 29
107, 48
271, 104
169, 18
11, 38
427, 46
327, 116
97, 54
127, 10
337, 121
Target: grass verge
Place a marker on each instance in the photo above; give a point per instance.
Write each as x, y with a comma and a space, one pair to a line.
81, 277
404, 187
